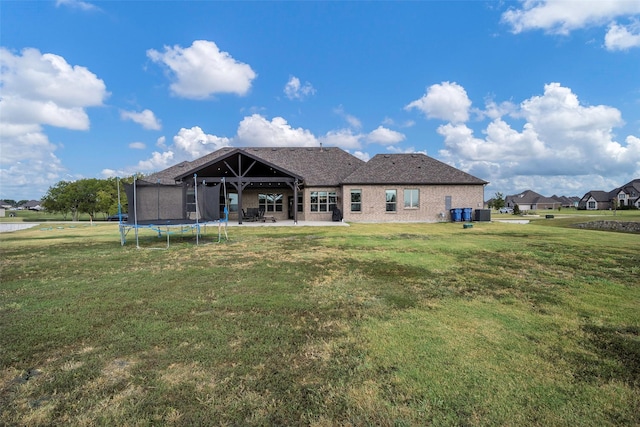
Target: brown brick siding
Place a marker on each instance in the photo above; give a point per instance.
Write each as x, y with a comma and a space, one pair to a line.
431, 205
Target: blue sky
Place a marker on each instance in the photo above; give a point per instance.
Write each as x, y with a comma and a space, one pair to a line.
541, 95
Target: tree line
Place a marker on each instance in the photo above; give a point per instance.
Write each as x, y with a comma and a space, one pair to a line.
91, 196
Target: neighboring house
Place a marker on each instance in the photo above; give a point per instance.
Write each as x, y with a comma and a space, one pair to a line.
308, 184
567, 202
595, 200
625, 196
5, 205
530, 200
32, 205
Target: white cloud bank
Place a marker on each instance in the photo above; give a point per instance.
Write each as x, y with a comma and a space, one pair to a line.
202, 70
39, 89
563, 16
256, 131
564, 146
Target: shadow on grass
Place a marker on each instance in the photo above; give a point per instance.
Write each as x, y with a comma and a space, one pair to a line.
612, 353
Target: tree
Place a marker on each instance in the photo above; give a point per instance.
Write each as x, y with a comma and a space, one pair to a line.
90, 196
498, 200
57, 199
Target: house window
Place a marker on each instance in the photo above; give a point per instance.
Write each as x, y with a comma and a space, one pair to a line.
411, 198
270, 202
356, 200
323, 201
191, 199
591, 205
391, 200
300, 203
233, 202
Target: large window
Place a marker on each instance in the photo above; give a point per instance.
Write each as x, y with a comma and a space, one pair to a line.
391, 200
411, 198
323, 201
233, 202
591, 205
191, 199
356, 200
270, 202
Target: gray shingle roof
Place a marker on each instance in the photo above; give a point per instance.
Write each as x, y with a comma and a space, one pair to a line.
530, 197
332, 166
414, 168
598, 196
317, 166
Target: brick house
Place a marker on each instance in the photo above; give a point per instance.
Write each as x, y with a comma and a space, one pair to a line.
309, 184
627, 195
530, 200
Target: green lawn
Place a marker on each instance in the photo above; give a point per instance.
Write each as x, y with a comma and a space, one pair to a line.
374, 324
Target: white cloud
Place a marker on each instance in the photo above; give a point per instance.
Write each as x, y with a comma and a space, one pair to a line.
138, 145
145, 118
362, 155
161, 142
77, 4
39, 89
353, 121
561, 138
563, 16
157, 162
202, 70
447, 101
343, 138
295, 90
408, 150
619, 37
382, 135
257, 131
193, 143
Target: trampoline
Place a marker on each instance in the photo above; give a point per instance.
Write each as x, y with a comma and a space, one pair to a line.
169, 209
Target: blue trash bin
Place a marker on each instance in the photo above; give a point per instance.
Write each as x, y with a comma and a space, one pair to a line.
466, 214
456, 215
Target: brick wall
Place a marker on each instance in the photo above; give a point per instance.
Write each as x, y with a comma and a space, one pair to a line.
431, 202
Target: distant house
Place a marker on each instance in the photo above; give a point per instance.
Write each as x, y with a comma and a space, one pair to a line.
628, 194
625, 196
33, 205
530, 200
567, 202
595, 200
324, 184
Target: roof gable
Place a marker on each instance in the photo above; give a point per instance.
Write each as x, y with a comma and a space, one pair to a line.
597, 195
317, 166
414, 168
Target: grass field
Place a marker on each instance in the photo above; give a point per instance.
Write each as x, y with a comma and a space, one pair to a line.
374, 324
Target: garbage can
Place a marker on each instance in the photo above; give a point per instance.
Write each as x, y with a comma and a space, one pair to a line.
466, 214
456, 215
